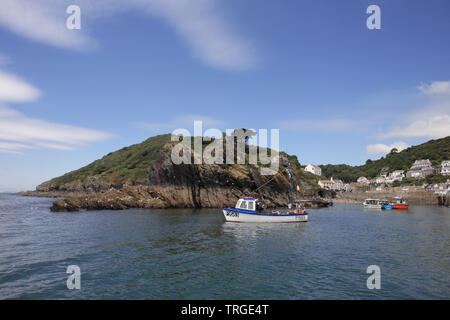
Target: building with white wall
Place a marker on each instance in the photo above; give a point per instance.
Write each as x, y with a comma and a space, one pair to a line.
313, 169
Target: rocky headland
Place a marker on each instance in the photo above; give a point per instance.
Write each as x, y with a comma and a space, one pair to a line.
143, 176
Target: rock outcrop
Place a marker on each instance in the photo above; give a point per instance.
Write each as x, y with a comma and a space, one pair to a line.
168, 185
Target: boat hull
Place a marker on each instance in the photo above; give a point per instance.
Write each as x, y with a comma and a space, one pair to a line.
372, 206
234, 215
401, 207
387, 207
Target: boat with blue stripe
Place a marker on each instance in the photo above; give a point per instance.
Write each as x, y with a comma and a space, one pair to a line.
248, 209
386, 205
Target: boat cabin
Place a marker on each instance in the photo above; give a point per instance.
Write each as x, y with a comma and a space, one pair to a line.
371, 201
246, 203
399, 200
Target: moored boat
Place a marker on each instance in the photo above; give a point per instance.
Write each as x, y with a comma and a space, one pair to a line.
386, 205
372, 204
400, 204
246, 211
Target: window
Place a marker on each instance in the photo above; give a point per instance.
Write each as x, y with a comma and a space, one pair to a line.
244, 205
251, 205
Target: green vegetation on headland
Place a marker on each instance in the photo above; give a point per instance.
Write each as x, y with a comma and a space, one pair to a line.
435, 150
127, 165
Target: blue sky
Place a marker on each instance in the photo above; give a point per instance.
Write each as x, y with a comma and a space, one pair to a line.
338, 92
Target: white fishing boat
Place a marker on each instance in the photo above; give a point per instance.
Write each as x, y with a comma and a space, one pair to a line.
373, 204
246, 211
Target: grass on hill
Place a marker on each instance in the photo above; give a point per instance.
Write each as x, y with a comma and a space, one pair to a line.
125, 165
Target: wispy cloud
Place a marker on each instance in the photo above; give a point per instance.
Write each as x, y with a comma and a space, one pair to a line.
432, 120
13, 148
14, 89
19, 132
205, 31
200, 23
43, 21
434, 128
183, 122
434, 88
379, 148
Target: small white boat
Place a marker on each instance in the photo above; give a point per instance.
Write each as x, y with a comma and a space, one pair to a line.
245, 211
373, 204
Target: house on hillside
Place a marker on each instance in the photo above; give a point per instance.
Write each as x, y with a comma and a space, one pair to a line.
326, 184
419, 164
380, 180
416, 174
397, 175
332, 184
428, 171
445, 168
384, 172
363, 180
338, 184
313, 169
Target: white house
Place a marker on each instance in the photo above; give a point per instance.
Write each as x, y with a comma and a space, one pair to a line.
380, 180
419, 164
445, 168
313, 169
332, 184
397, 175
363, 180
326, 184
414, 174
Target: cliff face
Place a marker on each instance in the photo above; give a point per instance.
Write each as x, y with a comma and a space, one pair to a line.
168, 185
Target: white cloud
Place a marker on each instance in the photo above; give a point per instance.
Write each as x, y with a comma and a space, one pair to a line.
431, 121
198, 22
43, 21
379, 148
205, 31
435, 127
437, 87
185, 122
14, 89
14, 148
19, 132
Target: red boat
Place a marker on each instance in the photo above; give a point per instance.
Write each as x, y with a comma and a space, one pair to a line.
400, 204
